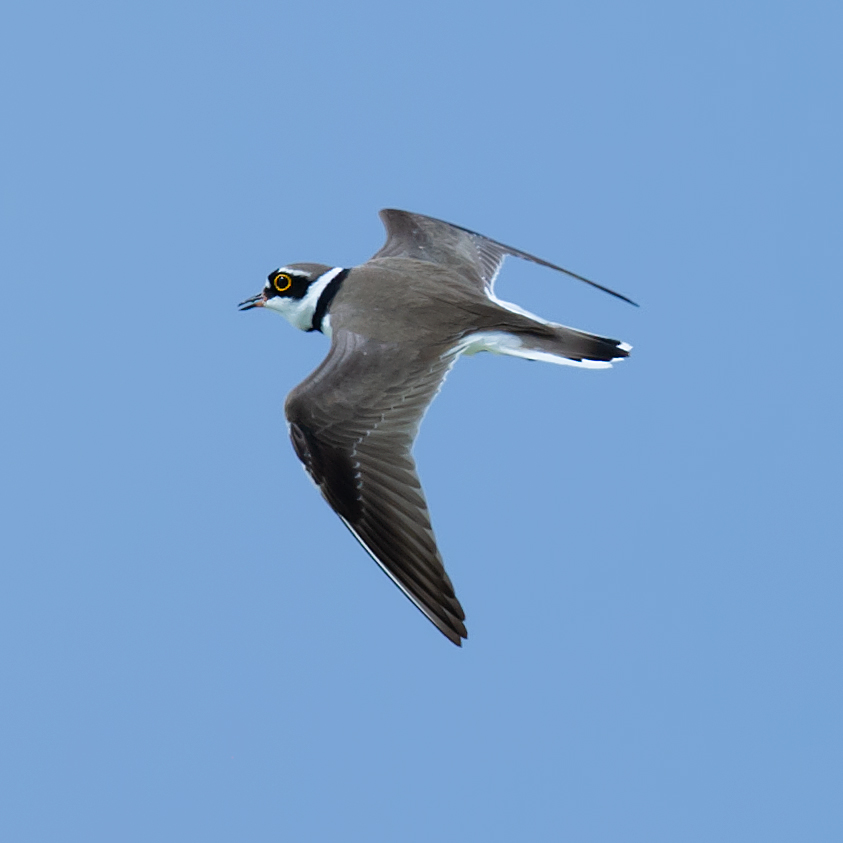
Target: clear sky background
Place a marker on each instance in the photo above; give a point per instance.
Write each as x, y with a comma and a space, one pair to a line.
193, 646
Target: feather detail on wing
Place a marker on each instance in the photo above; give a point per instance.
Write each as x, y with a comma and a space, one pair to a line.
428, 239
353, 422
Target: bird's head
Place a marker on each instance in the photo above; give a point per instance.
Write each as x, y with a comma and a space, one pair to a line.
293, 291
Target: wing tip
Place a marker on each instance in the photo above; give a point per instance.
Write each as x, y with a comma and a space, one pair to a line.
448, 619
455, 636
385, 213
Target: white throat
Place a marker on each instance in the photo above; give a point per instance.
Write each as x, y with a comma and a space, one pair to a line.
299, 312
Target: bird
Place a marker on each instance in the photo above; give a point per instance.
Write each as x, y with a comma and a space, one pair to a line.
397, 324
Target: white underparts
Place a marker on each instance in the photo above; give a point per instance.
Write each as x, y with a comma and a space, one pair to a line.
299, 312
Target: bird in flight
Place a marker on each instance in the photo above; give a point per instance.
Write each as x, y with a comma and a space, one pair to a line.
397, 325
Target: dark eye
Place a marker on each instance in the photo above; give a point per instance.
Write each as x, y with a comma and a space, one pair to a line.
282, 283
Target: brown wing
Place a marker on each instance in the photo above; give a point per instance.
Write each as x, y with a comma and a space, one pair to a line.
428, 239
353, 422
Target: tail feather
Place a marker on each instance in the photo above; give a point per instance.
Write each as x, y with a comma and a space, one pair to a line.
552, 344
574, 345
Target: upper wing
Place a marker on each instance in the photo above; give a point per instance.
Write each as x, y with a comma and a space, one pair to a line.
353, 422
428, 239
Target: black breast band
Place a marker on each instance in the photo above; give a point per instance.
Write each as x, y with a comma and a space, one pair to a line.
325, 299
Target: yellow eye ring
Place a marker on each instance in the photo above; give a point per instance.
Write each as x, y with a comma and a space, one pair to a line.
282, 283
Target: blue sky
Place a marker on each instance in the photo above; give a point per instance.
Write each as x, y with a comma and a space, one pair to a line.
194, 648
